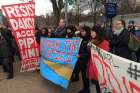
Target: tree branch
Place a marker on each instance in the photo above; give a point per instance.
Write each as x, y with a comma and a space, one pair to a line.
60, 4
55, 6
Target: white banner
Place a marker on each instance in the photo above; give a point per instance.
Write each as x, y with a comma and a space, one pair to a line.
116, 74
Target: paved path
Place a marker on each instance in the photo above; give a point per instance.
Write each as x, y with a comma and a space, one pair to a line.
32, 82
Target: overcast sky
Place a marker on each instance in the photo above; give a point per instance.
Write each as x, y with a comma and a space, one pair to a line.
42, 6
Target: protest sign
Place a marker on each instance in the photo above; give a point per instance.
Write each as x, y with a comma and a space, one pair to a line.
58, 59
116, 74
21, 20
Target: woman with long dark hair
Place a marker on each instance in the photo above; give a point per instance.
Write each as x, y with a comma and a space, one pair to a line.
98, 38
44, 32
83, 57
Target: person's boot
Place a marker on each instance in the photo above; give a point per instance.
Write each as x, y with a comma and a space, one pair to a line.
75, 78
84, 91
10, 76
4, 69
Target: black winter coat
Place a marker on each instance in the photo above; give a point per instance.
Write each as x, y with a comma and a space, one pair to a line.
6, 43
60, 33
119, 44
38, 35
83, 52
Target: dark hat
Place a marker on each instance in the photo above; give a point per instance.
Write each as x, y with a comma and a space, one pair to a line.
131, 22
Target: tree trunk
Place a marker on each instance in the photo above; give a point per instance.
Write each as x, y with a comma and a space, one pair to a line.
57, 7
95, 12
132, 4
57, 17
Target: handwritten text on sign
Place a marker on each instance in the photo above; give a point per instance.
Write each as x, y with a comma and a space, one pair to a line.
21, 20
116, 74
62, 51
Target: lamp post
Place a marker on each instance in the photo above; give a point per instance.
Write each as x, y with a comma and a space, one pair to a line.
78, 11
111, 10
66, 12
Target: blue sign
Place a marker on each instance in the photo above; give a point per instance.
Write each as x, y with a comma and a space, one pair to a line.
62, 51
58, 59
111, 10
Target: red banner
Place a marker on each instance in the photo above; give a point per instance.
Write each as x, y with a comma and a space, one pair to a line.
21, 18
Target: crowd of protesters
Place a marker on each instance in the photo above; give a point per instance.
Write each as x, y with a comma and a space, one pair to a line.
117, 41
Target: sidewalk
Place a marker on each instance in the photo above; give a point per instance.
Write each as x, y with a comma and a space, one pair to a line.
32, 82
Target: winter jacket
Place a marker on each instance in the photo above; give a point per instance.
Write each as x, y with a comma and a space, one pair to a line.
119, 44
6, 43
60, 33
38, 35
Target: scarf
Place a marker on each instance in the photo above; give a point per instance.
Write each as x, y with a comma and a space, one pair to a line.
117, 32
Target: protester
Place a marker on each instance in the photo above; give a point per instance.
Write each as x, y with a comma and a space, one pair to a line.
15, 48
137, 33
138, 55
52, 28
137, 28
61, 30
119, 42
37, 35
83, 57
0, 37
40, 33
44, 32
70, 31
50, 33
131, 27
7, 51
98, 38
78, 29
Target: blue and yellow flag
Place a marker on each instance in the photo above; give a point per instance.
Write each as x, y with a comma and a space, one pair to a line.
58, 59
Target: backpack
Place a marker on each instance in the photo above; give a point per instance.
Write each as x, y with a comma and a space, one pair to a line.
134, 43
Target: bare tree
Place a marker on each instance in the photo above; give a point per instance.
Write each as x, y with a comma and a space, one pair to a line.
96, 3
102, 1
58, 5
131, 4
127, 6
40, 21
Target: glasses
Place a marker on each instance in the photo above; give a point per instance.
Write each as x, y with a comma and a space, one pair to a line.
118, 23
